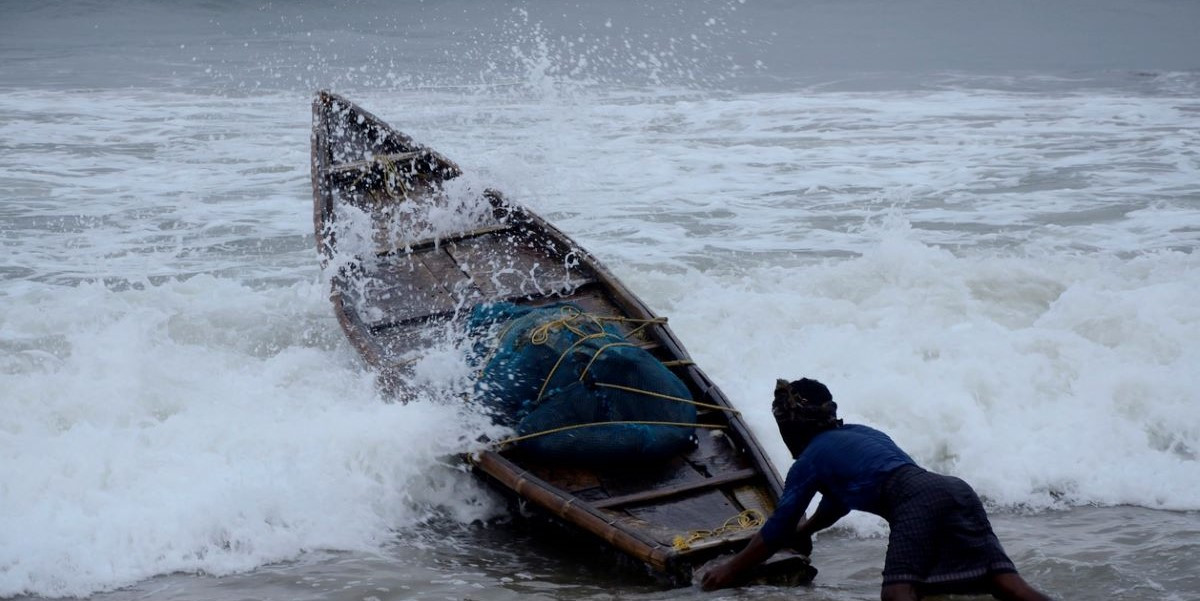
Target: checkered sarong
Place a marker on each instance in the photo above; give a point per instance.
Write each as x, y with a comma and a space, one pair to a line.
941, 539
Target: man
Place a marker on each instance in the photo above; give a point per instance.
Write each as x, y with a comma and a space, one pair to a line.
941, 540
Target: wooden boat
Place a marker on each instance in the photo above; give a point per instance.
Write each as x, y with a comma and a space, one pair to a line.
404, 281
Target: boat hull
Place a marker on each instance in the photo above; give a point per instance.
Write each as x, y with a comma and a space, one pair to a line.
399, 282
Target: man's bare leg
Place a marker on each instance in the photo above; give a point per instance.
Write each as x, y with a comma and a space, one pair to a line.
1009, 586
900, 591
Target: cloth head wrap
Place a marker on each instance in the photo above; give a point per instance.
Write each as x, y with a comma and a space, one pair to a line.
804, 405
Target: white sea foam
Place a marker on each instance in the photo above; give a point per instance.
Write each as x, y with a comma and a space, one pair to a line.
1043, 380
202, 425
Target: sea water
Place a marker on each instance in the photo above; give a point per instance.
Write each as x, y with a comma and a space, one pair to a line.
976, 221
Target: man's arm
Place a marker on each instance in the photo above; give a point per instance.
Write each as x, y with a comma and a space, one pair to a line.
827, 514
798, 490
758, 550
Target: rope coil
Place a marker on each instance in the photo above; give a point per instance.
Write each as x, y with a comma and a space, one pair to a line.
750, 518
393, 177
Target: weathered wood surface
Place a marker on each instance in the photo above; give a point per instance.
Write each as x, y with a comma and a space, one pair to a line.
393, 303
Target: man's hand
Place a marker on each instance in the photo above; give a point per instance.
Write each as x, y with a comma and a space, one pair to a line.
722, 575
730, 573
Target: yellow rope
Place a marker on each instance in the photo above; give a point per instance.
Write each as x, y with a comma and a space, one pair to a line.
541, 334
562, 356
570, 315
596, 355
666, 396
392, 177
644, 323
593, 424
750, 518
678, 363
623, 319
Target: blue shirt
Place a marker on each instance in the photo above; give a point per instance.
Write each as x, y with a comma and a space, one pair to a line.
847, 465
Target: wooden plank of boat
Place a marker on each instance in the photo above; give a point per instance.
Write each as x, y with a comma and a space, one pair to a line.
399, 280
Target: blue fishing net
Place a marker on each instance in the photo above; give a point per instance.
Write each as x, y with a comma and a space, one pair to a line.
564, 378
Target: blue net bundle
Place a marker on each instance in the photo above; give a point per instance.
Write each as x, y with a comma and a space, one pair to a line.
576, 390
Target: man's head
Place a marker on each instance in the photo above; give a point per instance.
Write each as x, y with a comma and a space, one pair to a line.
803, 409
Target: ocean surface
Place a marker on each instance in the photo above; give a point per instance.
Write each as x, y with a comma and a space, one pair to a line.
976, 220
